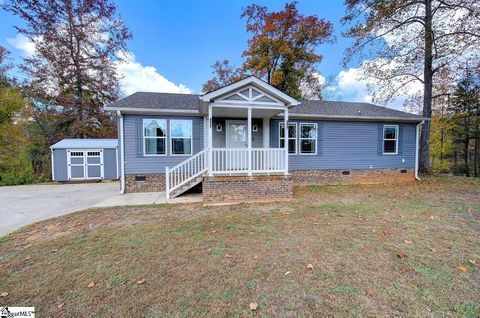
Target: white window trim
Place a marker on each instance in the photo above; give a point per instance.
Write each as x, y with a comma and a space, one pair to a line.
288, 138
300, 139
152, 137
171, 139
396, 140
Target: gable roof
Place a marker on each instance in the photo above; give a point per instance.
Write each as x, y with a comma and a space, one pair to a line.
249, 80
85, 144
191, 104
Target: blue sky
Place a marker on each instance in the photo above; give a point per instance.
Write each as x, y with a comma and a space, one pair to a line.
176, 42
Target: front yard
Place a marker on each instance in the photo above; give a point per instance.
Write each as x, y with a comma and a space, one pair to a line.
404, 250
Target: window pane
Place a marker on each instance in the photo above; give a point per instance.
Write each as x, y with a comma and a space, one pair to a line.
389, 146
181, 146
181, 128
390, 133
282, 143
155, 146
308, 131
155, 127
292, 131
308, 146
292, 146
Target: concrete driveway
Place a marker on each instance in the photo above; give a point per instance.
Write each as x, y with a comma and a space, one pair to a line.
22, 205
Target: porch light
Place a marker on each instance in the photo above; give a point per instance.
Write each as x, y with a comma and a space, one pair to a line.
255, 128
219, 126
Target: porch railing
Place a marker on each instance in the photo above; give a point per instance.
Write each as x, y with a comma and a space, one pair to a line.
185, 171
236, 160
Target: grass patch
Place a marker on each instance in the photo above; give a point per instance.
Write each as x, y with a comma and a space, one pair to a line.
370, 248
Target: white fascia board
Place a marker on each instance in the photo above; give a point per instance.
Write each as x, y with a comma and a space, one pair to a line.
356, 118
135, 110
250, 80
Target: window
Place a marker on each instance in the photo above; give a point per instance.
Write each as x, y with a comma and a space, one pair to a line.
154, 137
181, 137
308, 138
292, 137
390, 139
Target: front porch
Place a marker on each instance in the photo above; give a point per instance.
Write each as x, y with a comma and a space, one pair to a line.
236, 136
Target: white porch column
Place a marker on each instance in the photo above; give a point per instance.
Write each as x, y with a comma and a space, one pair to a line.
249, 140
266, 132
285, 118
210, 144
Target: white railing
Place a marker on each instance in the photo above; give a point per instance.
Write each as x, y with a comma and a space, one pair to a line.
185, 171
236, 160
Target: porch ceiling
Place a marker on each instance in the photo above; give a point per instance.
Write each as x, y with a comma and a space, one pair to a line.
242, 112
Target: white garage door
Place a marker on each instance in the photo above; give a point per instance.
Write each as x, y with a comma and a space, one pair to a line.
85, 164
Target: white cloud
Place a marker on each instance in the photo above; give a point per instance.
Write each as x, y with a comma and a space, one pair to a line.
22, 43
136, 77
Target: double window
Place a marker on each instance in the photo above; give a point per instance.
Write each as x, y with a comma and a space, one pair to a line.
390, 139
155, 137
307, 135
292, 137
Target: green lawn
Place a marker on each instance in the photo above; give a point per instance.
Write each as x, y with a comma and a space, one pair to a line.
399, 250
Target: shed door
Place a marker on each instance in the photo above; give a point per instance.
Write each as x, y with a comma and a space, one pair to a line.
85, 164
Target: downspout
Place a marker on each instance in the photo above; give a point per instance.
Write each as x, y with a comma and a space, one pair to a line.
122, 155
417, 139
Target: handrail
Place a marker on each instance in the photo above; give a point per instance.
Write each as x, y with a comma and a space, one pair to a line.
185, 171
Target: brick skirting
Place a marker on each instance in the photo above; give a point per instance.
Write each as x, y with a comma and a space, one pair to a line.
236, 189
154, 182
354, 176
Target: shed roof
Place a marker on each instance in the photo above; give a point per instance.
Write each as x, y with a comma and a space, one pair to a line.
85, 144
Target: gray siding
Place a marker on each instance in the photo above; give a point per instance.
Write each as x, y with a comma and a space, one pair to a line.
60, 165
350, 145
136, 162
110, 164
219, 137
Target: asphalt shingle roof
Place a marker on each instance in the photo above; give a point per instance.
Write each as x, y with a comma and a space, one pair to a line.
307, 107
159, 101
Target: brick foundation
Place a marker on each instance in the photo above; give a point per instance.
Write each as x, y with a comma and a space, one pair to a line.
355, 176
236, 189
154, 182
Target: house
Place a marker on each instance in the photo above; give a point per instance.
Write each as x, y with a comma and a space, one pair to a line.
250, 141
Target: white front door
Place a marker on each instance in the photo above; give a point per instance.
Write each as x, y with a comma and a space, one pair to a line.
236, 137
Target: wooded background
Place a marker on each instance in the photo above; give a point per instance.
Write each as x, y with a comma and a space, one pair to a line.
72, 74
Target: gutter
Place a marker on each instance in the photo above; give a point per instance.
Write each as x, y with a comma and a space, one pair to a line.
122, 155
159, 111
417, 139
356, 118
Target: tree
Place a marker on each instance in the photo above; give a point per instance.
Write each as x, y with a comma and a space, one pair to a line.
72, 72
411, 41
282, 49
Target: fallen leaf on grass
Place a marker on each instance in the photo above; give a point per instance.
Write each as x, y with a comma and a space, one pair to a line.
27, 258
60, 305
432, 217
91, 284
369, 293
255, 257
402, 255
309, 266
228, 256
141, 282
407, 242
404, 270
471, 261
433, 249
253, 306
462, 268
287, 273
4, 294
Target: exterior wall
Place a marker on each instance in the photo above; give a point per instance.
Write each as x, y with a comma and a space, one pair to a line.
136, 162
236, 189
350, 145
60, 164
60, 172
219, 137
356, 176
154, 182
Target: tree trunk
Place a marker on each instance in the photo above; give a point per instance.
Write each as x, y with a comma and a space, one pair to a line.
465, 154
427, 91
475, 159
